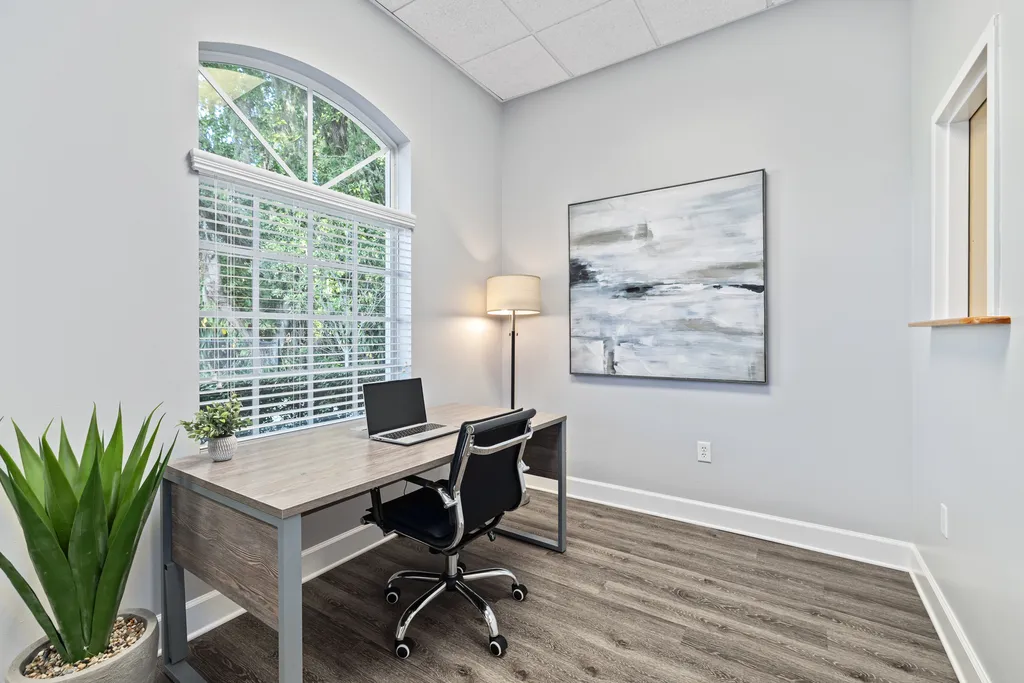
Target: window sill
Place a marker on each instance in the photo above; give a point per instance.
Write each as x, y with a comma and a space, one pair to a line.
964, 322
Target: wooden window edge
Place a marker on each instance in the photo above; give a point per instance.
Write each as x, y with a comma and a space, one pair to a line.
964, 322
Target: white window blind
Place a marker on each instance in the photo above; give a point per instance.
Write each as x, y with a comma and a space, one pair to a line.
300, 301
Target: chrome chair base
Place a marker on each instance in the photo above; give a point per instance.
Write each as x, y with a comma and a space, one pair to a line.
454, 578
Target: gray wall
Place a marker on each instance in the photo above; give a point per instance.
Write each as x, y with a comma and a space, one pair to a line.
968, 392
816, 92
98, 263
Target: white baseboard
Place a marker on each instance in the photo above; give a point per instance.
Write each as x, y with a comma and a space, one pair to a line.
210, 610
961, 654
852, 545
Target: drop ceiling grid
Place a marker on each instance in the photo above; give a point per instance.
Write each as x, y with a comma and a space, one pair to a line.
514, 47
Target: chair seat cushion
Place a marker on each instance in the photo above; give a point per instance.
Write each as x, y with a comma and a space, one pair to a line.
420, 514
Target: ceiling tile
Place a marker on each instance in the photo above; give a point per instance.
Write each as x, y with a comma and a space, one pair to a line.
604, 35
673, 20
394, 4
463, 29
516, 69
538, 14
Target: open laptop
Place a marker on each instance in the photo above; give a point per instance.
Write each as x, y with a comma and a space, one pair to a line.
396, 413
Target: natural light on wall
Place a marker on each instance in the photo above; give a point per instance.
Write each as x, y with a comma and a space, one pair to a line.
304, 269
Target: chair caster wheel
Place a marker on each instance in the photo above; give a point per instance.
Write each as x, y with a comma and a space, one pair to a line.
404, 648
391, 595
519, 592
498, 646
462, 567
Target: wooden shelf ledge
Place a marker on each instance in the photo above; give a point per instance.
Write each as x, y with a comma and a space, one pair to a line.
961, 322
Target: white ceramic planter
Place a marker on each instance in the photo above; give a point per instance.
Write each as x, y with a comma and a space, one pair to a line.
136, 664
222, 448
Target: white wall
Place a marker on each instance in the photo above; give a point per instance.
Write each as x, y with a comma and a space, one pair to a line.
98, 256
816, 92
967, 389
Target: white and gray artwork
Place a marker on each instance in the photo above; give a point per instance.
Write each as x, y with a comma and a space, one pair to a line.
671, 282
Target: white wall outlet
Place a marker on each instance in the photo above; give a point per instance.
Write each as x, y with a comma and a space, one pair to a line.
944, 520
703, 451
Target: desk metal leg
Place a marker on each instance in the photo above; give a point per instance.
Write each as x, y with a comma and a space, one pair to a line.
289, 591
289, 599
563, 492
534, 539
174, 627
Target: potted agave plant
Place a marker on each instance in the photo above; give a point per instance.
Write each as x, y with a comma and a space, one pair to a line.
82, 518
216, 424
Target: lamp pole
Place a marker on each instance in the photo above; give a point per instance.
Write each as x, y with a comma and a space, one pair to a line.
510, 295
514, 334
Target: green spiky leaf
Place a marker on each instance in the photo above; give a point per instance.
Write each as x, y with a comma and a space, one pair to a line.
124, 541
139, 472
129, 484
68, 461
90, 452
32, 463
88, 549
110, 467
31, 600
18, 480
54, 574
61, 502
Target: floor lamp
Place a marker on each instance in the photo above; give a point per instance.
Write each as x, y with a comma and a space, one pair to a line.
513, 295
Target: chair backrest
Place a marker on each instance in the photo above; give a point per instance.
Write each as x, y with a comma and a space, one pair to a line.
490, 481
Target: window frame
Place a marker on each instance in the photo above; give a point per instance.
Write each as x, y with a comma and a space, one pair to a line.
305, 192
312, 86
977, 81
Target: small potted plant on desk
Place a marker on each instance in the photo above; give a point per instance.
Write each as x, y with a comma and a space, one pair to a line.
82, 519
216, 424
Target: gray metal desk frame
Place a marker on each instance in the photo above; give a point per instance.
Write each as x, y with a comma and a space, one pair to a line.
289, 567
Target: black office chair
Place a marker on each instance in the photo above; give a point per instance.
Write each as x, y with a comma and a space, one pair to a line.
486, 481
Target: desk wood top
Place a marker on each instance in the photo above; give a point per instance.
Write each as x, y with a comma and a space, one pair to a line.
290, 474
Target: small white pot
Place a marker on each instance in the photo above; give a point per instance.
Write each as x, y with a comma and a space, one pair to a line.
222, 448
136, 664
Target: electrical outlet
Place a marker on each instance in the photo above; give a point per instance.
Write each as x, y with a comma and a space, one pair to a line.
944, 520
703, 451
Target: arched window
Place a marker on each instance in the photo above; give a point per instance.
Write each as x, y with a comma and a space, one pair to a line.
304, 269
255, 117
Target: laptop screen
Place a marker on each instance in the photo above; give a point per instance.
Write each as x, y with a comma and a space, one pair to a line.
393, 405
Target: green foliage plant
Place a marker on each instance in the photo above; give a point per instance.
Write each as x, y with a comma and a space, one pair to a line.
217, 420
82, 518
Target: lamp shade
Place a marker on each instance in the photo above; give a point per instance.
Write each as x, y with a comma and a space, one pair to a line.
519, 294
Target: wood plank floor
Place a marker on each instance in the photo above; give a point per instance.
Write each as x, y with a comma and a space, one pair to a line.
635, 599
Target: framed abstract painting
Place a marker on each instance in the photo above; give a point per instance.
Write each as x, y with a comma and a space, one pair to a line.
670, 283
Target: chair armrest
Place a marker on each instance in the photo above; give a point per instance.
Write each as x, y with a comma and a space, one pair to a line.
489, 450
449, 502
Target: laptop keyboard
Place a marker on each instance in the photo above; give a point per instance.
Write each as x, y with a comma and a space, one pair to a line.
410, 431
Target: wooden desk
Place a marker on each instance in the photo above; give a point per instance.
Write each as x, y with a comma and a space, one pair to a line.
238, 525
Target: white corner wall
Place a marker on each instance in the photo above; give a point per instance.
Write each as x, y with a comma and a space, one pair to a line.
98, 255
968, 394
816, 92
